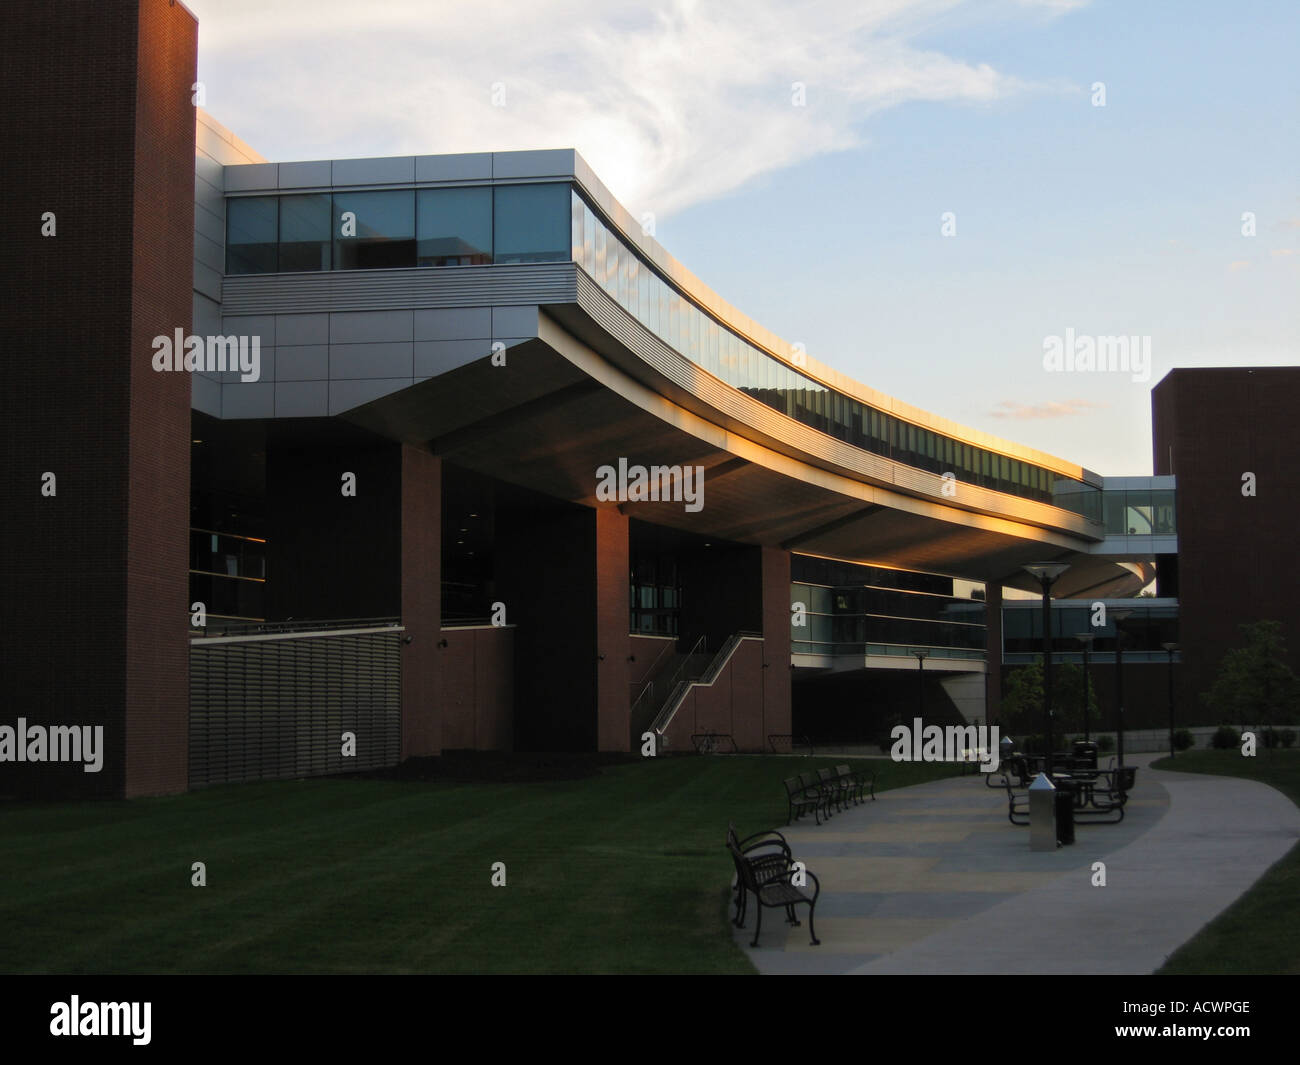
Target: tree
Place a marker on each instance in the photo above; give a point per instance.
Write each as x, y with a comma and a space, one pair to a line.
1022, 701
1255, 686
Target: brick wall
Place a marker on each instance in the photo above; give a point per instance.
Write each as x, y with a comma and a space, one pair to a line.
93, 579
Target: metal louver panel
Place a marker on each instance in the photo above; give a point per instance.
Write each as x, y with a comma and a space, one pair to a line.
370, 290
277, 706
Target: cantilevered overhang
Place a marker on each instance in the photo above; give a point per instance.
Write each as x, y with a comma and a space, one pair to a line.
558, 410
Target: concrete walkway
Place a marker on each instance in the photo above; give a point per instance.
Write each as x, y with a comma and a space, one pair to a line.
934, 879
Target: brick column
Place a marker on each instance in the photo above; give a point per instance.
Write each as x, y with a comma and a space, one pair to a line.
776, 641
93, 579
421, 576
613, 608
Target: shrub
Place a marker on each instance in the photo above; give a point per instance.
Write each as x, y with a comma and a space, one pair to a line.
1226, 737
1288, 737
1105, 743
1272, 738
1183, 739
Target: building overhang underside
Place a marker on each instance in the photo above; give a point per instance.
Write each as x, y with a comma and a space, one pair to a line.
559, 409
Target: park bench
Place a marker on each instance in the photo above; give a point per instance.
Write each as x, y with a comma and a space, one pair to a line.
802, 798
774, 889
770, 855
838, 786
830, 794
862, 781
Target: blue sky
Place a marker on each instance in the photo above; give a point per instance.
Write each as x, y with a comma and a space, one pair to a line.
823, 221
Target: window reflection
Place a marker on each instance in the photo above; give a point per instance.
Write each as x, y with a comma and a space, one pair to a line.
252, 234
531, 223
381, 227
454, 227
305, 232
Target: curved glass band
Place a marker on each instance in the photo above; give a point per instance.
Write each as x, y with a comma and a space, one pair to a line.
683, 326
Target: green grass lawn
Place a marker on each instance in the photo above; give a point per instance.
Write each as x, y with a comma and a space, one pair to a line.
1260, 932
624, 871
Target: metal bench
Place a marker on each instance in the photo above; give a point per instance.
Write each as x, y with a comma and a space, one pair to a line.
813, 782
838, 786
862, 781
776, 890
771, 857
802, 798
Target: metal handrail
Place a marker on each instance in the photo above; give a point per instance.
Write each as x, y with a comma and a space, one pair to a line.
700, 646
666, 713
669, 646
271, 628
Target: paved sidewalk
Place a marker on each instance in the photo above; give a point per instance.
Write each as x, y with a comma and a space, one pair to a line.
934, 879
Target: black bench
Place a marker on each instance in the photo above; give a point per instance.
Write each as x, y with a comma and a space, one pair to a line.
803, 797
776, 889
770, 855
862, 781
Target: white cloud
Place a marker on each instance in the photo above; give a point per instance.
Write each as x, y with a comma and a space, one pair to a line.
670, 105
1010, 408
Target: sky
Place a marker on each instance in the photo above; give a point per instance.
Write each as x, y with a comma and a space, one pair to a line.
932, 196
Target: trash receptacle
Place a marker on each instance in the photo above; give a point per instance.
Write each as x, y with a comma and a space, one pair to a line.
1043, 835
1065, 811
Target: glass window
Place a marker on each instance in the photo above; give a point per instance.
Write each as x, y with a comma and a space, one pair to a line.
653, 296
1137, 512
305, 232
1162, 503
589, 227
1113, 512
577, 220
384, 228
598, 264
455, 227
531, 223
634, 285
643, 295
252, 234
613, 259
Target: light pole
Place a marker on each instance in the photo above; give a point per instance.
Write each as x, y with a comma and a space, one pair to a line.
1119, 617
921, 656
1086, 639
1046, 574
1171, 648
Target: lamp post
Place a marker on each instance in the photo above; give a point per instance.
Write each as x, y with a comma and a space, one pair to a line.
1086, 639
1170, 648
921, 656
1119, 616
1046, 573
